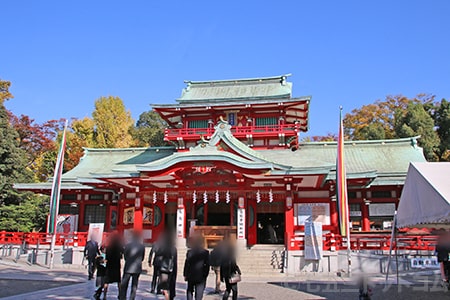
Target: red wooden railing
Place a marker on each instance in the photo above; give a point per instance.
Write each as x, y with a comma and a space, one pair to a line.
332, 242
238, 131
41, 238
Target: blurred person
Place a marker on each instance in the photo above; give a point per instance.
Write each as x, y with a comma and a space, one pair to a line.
168, 267
133, 253
155, 254
196, 269
215, 259
443, 255
229, 270
90, 253
100, 265
114, 251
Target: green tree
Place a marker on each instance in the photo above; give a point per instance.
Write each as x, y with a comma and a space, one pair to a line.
30, 215
113, 123
416, 121
13, 165
442, 122
149, 130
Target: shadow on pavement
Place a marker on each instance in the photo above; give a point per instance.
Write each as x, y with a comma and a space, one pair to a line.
427, 290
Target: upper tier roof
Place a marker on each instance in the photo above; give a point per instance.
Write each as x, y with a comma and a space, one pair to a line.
249, 88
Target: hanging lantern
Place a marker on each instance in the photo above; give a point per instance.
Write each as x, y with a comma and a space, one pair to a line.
258, 197
194, 197
217, 197
166, 197
227, 197
154, 197
205, 197
270, 196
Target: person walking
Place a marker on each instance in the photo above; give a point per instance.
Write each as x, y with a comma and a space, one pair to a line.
168, 268
229, 271
134, 254
443, 256
90, 253
155, 254
100, 265
196, 269
215, 258
114, 252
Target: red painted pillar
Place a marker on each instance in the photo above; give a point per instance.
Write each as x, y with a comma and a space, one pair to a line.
334, 216
365, 217
81, 214
138, 212
289, 223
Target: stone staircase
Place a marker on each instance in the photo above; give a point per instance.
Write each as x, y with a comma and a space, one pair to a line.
257, 261
262, 261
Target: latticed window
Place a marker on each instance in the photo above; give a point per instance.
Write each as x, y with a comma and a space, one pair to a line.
94, 214
381, 194
266, 121
198, 124
96, 197
67, 209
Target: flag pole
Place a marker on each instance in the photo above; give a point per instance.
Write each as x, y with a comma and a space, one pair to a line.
55, 196
341, 181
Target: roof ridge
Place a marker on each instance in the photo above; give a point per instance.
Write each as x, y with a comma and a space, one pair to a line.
89, 149
238, 79
412, 139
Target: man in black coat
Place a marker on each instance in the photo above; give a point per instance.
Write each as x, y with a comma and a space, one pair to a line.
90, 253
133, 253
196, 269
155, 253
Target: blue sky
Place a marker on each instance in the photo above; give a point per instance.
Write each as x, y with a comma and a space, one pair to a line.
61, 55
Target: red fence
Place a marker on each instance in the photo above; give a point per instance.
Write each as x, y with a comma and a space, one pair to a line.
40, 238
238, 131
333, 242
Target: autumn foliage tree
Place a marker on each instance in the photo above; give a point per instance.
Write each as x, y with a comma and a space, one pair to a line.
112, 123
396, 117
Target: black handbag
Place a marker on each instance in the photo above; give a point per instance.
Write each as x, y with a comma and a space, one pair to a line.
235, 278
166, 265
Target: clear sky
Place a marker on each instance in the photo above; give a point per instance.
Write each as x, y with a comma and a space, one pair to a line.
62, 55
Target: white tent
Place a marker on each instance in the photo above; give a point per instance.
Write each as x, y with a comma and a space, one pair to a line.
425, 200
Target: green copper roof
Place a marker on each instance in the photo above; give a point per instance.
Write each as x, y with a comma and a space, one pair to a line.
384, 162
388, 158
115, 162
48, 186
249, 88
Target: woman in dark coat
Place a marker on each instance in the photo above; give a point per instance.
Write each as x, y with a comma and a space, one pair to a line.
114, 252
228, 268
168, 275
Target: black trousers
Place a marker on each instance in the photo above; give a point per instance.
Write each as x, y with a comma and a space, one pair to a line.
155, 279
198, 288
124, 285
230, 287
91, 268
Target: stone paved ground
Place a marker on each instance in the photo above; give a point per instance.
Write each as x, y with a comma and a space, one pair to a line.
72, 284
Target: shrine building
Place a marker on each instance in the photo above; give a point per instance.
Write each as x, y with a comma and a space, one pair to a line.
236, 164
